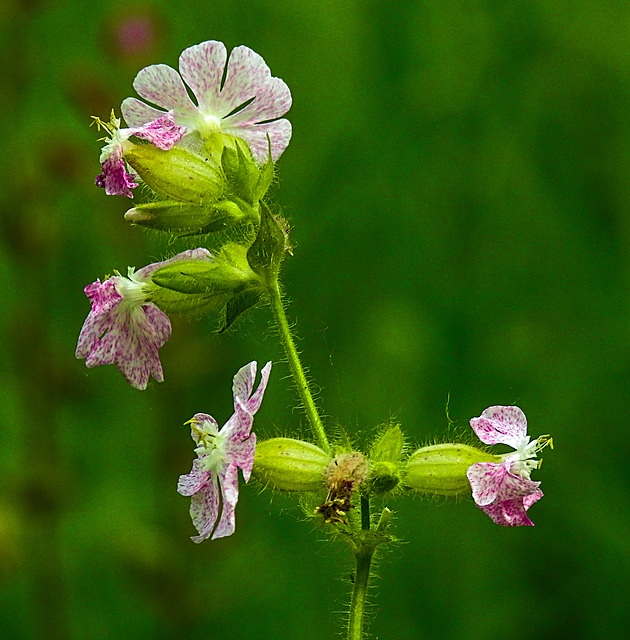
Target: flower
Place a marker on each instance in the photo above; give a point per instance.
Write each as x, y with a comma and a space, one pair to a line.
504, 490
248, 104
117, 181
213, 481
124, 328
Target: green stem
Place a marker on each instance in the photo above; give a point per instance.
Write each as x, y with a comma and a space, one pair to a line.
296, 368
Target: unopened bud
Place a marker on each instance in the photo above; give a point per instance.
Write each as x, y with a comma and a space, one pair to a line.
290, 465
440, 469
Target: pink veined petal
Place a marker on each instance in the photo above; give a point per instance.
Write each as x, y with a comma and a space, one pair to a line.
243, 382
201, 67
255, 135
238, 427
115, 179
485, 479
512, 513
163, 86
513, 486
247, 74
194, 481
242, 454
253, 404
163, 132
190, 254
229, 489
204, 509
272, 100
506, 425
137, 113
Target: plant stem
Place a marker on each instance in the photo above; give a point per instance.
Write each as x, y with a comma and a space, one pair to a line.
297, 371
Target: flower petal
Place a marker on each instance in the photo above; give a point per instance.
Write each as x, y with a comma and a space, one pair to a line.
512, 513
115, 179
125, 334
194, 481
506, 425
242, 455
163, 86
272, 100
279, 133
229, 490
163, 132
204, 509
485, 479
202, 67
137, 113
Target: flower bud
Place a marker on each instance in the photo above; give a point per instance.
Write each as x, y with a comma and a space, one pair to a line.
177, 174
440, 469
187, 219
290, 465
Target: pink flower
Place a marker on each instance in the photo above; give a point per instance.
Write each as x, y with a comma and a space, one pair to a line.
116, 179
504, 490
248, 104
124, 328
213, 480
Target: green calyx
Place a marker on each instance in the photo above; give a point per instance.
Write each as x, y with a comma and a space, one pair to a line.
290, 465
177, 174
440, 469
226, 285
187, 219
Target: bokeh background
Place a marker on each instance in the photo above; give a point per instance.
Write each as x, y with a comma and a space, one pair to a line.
459, 187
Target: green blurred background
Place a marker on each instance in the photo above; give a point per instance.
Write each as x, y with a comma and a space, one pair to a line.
459, 187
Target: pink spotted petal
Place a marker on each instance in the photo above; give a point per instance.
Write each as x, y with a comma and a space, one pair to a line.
202, 67
512, 513
137, 113
229, 491
248, 76
163, 86
194, 481
243, 382
272, 100
163, 132
204, 509
485, 479
506, 425
253, 403
129, 336
242, 455
115, 179
255, 135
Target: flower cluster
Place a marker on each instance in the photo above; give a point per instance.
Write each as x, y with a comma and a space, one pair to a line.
213, 481
248, 104
504, 490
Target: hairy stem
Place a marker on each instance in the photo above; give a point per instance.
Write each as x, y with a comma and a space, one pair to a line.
363, 556
297, 371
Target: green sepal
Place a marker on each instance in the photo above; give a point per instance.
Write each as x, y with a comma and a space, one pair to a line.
290, 465
178, 174
388, 445
440, 469
239, 304
269, 247
187, 219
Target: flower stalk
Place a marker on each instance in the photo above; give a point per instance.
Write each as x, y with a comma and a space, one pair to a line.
295, 365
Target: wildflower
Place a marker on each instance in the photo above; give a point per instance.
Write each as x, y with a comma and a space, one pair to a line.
124, 328
248, 104
504, 490
116, 179
213, 481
